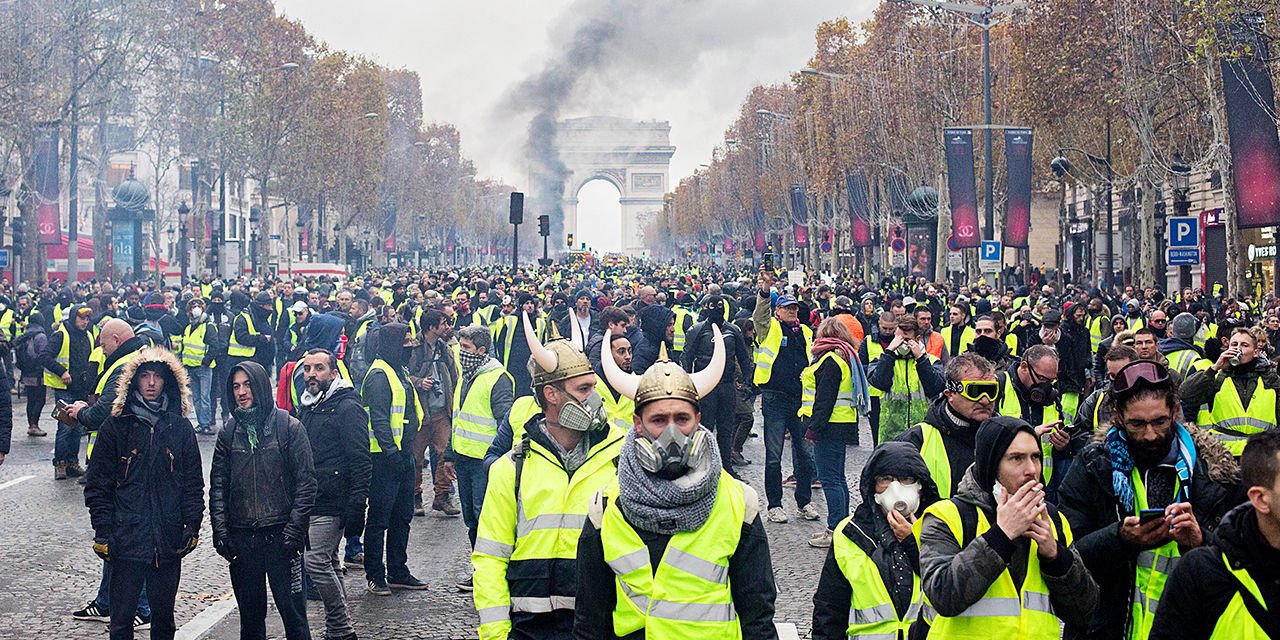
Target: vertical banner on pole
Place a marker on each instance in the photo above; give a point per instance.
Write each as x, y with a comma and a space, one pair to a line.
45, 173
1017, 156
389, 227
859, 208
802, 235
961, 188
799, 205
758, 223
1250, 107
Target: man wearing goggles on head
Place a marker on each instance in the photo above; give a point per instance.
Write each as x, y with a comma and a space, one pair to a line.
945, 437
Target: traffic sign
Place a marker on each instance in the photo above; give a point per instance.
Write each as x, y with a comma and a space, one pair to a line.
4, 258
989, 256
826, 247
951, 243
898, 245
1177, 256
955, 261
1184, 232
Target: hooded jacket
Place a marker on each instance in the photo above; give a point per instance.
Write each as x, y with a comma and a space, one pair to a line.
376, 392
654, 320
1088, 501
92, 416
1199, 589
957, 438
145, 485
272, 484
336, 428
869, 528
1074, 357
323, 332
699, 346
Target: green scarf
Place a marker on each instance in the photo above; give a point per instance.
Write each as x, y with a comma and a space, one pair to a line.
250, 419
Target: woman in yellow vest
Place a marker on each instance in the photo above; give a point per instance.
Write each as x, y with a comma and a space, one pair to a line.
1240, 390
996, 560
870, 583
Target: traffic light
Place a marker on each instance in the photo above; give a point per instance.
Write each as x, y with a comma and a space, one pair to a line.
544, 225
517, 208
17, 234
570, 243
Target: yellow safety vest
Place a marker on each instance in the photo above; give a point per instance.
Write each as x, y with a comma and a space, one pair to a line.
1011, 341
874, 351
193, 346
511, 324
934, 452
621, 411
688, 595
1154, 567
399, 403
522, 410
96, 360
872, 615
1233, 423
769, 348
843, 411
1134, 324
63, 358
297, 384
1203, 334
236, 349
1096, 325
531, 535
678, 340
1010, 405
1004, 611
8, 328
967, 337
1236, 623
474, 426
99, 389
1187, 361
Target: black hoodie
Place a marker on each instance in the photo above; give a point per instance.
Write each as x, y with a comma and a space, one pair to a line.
375, 392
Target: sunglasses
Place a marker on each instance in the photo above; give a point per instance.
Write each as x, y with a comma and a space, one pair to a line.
1138, 375
975, 390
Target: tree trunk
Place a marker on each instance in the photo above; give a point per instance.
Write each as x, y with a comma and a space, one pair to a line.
101, 250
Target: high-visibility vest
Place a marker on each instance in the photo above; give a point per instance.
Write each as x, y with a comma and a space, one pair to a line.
474, 425
967, 336
934, 344
364, 326
767, 352
934, 452
8, 328
1010, 405
1187, 361
533, 535
298, 383
872, 615
843, 410
1233, 423
63, 358
1206, 331
1154, 567
522, 410
193, 345
96, 359
511, 324
874, 351
1236, 623
1011, 341
98, 391
206, 290
621, 411
677, 341
1133, 324
688, 595
1004, 611
236, 349
399, 404
1096, 326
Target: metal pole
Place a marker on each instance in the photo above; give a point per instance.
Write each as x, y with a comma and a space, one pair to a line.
515, 247
73, 171
986, 133
1111, 255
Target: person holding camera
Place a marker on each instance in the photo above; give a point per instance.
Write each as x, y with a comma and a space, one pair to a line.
1239, 389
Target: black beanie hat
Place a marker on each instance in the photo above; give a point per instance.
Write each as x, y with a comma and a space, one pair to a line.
994, 436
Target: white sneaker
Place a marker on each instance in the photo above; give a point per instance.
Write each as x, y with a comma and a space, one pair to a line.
821, 540
809, 512
776, 514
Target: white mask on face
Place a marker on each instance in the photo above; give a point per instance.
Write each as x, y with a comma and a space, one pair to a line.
904, 498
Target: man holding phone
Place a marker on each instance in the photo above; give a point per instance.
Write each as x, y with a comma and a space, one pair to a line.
1170, 483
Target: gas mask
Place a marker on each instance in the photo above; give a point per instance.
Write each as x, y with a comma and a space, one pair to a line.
584, 415
672, 453
1042, 393
902, 351
903, 498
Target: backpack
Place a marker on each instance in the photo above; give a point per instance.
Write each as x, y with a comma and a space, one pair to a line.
24, 352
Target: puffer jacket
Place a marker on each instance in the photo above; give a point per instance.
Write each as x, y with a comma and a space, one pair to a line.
264, 486
337, 430
145, 486
1088, 501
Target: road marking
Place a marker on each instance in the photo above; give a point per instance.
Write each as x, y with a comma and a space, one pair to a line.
205, 620
787, 631
14, 481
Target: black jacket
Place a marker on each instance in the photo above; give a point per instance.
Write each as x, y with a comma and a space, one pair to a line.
92, 416
339, 437
654, 320
145, 486
376, 396
270, 485
1087, 499
698, 348
78, 353
957, 438
1200, 587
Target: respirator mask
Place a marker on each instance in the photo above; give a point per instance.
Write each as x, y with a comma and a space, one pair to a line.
903, 498
672, 453
582, 416
1042, 393
902, 351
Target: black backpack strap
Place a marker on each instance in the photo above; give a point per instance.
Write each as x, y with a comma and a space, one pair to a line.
517, 456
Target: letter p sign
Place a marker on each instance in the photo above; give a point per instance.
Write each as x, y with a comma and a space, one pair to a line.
1184, 232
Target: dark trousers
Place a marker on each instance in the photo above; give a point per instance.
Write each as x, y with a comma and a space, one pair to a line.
390, 512
36, 397
127, 580
718, 408
220, 374
260, 560
473, 476
745, 419
873, 416
66, 442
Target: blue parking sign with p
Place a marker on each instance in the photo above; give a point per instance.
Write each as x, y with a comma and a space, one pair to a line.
1184, 231
990, 250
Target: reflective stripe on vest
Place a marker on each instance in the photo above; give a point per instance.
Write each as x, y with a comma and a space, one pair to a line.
1233, 423
235, 348
1001, 612
871, 610
677, 341
688, 595
934, 452
771, 346
1154, 567
1236, 623
63, 358
1010, 405
193, 345
474, 426
843, 410
398, 405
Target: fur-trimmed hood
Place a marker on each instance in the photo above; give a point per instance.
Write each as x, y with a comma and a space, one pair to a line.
178, 388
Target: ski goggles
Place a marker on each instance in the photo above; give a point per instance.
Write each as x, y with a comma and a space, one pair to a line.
975, 390
1138, 375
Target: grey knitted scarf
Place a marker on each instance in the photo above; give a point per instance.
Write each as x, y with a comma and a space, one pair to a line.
662, 506
149, 411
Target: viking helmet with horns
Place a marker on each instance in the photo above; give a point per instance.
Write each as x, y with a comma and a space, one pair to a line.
559, 359
665, 379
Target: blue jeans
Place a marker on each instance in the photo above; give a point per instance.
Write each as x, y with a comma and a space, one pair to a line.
779, 411
104, 590
828, 454
66, 443
353, 547
472, 478
202, 390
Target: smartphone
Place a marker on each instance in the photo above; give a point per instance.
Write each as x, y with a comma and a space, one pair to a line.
1147, 515
767, 263
58, 405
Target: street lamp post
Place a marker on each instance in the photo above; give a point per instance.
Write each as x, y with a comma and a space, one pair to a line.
1104, 163
183, 212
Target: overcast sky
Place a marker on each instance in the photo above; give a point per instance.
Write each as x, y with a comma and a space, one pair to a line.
690, 62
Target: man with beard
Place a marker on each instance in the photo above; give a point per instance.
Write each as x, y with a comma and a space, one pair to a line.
68, 373
700, 345
251, 335
1170, 484
335, 423
945, 437
674, 547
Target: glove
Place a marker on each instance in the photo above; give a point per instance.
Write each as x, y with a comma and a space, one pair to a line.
100, 548
353, 521
224, 548
190, 538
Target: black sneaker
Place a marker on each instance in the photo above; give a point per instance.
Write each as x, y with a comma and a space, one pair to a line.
378, 587
354, 561
409, 582
465, 585
93, 612
141, 622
